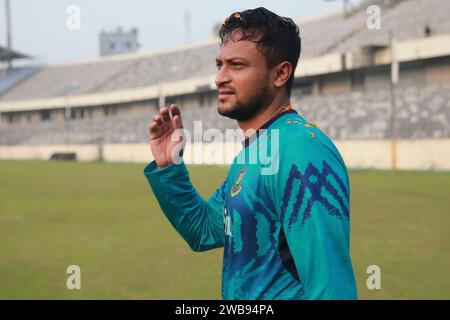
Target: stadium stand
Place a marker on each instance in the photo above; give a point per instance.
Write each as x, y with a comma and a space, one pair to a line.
421, 113
15, 76
321, 35
111, 74
345, 107
407, 20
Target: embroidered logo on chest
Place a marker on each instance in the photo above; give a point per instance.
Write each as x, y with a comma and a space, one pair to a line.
237, 186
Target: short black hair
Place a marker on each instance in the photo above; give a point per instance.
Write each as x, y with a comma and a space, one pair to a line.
278, 38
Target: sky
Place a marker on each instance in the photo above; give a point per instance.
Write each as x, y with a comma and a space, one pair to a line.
39, 28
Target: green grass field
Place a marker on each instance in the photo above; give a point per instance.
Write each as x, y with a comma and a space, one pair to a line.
104, 218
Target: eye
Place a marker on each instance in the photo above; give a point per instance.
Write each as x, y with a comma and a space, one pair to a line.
218, 65
238, 65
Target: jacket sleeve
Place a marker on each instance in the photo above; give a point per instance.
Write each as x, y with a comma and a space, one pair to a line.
311, 194
199, 222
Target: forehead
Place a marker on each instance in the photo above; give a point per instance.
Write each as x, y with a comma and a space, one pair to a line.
239, 49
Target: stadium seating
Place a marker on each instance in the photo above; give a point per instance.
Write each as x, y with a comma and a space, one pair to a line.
15, 76
332, 33
114, 74
407, 20
421, 113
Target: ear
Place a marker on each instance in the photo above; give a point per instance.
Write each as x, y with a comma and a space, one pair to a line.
283, 71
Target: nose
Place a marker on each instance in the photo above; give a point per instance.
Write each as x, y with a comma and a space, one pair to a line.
222, 77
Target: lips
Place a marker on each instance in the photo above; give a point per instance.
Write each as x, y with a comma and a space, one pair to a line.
224, 94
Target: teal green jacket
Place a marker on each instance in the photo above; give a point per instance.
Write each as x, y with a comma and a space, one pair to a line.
282, 215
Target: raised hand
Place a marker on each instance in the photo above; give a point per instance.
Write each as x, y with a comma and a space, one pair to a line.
166, 142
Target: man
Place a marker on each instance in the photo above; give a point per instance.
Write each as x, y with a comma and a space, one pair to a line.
285, 231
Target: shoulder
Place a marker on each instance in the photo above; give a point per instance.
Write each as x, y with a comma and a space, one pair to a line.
303, 144
295, 132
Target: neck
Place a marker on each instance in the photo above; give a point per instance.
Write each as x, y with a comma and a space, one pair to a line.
271, 111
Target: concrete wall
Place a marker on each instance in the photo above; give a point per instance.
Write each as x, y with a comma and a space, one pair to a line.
339, 83
411, 154
412, 76
437, 73
426, 154
377, 79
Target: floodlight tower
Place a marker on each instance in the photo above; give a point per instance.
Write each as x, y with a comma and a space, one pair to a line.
8, 29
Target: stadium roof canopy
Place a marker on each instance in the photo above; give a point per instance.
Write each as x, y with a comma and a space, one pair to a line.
8, 54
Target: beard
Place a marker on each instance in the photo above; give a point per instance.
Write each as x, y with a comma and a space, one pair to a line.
250, 106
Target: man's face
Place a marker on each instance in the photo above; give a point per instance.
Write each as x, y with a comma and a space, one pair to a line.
243, 80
